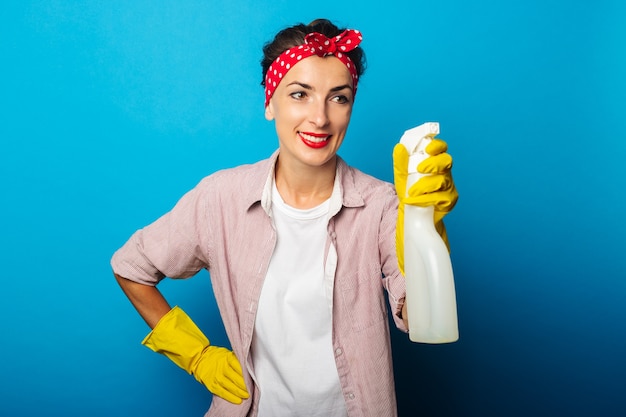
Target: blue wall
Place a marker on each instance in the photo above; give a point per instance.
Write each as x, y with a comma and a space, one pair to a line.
110, 111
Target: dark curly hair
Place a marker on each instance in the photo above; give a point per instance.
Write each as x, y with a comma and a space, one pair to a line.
294, 36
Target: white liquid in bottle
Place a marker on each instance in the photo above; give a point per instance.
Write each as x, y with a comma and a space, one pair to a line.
430, 293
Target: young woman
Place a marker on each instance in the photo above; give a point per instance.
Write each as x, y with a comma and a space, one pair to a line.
300, 248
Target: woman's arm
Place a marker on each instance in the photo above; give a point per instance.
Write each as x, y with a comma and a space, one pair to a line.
147, 300
405, 316
178, 338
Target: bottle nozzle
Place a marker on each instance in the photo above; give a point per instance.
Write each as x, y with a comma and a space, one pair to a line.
413, 141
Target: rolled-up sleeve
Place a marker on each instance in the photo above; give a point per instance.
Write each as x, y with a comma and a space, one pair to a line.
394, 281
171, 246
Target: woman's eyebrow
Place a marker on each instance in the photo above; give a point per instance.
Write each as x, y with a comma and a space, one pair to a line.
341, 87
303, 85
309, 87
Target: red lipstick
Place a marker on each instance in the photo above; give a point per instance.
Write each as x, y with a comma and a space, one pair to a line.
314, 140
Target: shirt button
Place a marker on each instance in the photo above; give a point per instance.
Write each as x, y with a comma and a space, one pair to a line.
351, 396
338, 351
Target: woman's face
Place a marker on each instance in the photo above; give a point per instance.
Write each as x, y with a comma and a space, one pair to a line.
311, 108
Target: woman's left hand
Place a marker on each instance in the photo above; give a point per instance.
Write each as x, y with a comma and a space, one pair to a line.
434, 189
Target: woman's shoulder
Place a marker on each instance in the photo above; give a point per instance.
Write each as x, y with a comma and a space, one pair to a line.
249, 175
366, 184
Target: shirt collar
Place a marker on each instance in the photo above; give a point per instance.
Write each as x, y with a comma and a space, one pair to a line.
345, 193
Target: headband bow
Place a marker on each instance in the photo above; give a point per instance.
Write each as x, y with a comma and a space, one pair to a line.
314, 44
344, 42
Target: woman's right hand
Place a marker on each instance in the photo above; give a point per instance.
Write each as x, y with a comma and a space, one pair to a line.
177, 337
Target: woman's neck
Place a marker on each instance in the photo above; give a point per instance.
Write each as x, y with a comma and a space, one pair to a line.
305, 187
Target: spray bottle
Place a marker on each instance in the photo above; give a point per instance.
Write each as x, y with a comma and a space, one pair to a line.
430, 294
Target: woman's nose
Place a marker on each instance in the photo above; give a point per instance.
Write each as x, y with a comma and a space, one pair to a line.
319, 113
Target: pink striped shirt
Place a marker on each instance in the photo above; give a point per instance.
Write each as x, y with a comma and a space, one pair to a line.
223, 225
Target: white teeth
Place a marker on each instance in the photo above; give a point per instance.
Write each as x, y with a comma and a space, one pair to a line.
313, 139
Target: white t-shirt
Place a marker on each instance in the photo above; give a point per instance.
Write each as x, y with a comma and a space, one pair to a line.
292, 350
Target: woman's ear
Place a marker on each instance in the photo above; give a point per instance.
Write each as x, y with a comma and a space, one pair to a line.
269, 111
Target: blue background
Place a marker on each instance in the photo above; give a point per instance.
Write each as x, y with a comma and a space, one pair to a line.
110, 111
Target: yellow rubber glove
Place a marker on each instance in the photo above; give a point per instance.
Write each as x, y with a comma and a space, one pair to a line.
217, 368
436, 189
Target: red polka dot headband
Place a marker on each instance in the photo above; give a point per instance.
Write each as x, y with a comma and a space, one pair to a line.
314, 44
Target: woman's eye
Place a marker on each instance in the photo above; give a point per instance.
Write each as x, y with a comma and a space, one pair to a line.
340, 99
298, 95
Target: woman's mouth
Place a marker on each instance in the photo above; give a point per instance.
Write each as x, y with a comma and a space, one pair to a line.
314, 140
